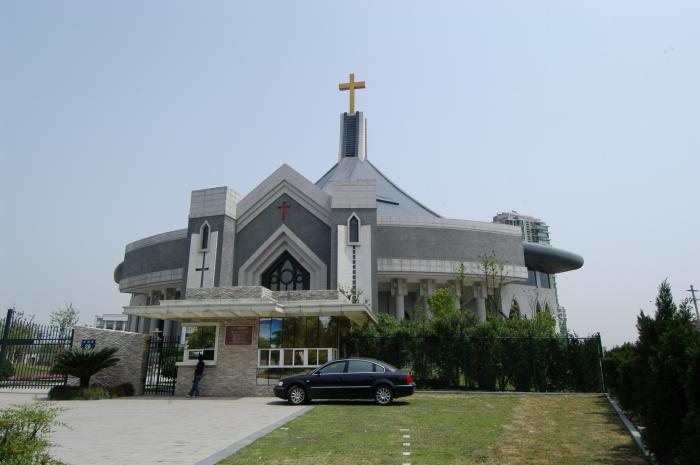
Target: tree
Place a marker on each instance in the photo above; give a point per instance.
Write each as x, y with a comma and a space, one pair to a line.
494, 276
84, 363
461, 282
65, 317
352, 294
442, 304
666, 356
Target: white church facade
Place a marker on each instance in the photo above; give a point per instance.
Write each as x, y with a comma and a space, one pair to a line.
267, 283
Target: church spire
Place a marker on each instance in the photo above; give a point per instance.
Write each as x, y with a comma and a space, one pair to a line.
353, 125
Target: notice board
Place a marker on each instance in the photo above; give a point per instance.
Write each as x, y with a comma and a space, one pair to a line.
239, 336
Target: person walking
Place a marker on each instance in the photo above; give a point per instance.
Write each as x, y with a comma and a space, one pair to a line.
198, 372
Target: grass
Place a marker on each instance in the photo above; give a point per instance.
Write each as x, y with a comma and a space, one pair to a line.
451, 429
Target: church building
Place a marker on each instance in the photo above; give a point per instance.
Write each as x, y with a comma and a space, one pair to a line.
266, 284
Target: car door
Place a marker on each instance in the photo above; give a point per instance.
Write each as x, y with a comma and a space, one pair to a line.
359, 379
328, 380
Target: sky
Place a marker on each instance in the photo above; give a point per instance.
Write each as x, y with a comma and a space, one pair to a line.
584, 114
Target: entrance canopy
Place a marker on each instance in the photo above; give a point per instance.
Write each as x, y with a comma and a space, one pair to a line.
254, 301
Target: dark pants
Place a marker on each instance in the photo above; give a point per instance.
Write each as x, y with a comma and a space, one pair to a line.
195, 386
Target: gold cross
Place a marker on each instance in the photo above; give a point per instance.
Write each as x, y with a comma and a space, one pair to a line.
351, 86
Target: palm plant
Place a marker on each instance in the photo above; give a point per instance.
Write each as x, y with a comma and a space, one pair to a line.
84, 363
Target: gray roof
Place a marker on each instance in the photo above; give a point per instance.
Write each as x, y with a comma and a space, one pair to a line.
391, 200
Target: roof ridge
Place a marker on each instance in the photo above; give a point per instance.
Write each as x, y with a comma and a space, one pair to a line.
401, 190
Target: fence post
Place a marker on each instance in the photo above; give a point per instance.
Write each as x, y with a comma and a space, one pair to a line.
70, 347
5, 334
600, 364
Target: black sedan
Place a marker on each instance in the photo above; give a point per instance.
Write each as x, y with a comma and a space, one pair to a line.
350, 378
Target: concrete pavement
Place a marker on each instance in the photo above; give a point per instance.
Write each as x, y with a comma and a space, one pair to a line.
150, 430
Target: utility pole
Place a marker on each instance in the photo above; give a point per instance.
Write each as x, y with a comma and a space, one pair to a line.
692, 291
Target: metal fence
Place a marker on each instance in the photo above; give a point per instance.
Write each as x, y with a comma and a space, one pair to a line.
544, 364
161, 373
28, 352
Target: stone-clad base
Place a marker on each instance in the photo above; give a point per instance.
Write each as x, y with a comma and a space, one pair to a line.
235, 370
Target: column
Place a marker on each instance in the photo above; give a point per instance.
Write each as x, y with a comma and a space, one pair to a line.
399, 291
153, 325
143, 325
167, 328
480, 295
427, 288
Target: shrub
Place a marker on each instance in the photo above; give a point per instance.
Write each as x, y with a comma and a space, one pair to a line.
6, 369
90, 393
24, 431
84, 363
621, 365
128, 389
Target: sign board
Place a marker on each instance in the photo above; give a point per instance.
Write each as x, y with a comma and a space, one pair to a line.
239, 336
87, 344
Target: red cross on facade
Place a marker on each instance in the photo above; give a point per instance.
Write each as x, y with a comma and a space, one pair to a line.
284, 208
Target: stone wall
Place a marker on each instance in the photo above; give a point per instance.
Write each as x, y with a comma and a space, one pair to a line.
132, 353
235, 371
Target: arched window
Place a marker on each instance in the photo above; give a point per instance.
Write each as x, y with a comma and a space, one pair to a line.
514, 309
205, 237
286, 274
354, 230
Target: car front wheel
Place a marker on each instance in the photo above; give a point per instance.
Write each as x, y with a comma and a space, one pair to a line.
296, 395
383, 395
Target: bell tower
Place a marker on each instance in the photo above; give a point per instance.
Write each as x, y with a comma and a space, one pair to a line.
353, 125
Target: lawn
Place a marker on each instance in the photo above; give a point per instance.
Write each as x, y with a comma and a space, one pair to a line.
451, 429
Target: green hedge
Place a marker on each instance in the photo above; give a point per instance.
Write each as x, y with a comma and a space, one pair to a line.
548, 364
450, 349
91, 393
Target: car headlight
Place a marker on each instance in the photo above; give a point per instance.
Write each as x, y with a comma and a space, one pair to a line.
280, 384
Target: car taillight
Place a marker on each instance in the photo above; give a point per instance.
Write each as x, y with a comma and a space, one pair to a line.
409, 380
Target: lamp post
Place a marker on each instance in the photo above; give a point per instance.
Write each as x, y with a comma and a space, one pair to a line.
692, 291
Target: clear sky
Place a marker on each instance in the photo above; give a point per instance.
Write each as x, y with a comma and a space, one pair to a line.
584, 114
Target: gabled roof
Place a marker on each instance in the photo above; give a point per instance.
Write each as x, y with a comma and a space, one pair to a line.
391, 199
285, 180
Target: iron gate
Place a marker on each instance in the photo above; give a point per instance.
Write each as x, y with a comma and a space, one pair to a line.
28, 352
161, 374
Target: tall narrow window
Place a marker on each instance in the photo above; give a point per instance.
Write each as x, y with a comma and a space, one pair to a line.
205, 237
354, 230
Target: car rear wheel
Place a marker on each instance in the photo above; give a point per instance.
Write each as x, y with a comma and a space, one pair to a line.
296, 395
383, 395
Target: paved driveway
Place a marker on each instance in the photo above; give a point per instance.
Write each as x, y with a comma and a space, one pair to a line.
148, 430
